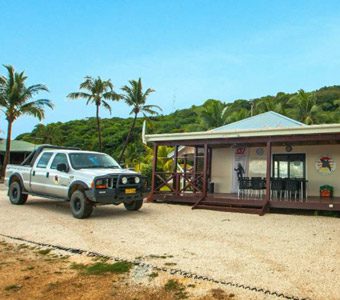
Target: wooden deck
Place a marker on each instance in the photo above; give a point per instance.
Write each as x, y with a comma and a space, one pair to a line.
231, 202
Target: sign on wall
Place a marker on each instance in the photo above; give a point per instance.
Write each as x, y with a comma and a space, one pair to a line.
325, 165
240, 158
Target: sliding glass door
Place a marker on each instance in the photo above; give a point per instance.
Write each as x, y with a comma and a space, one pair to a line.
289, 165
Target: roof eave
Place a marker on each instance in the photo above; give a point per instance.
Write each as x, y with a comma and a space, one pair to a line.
206, 135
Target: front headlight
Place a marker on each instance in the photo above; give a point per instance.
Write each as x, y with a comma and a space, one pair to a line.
124, 180
137, 180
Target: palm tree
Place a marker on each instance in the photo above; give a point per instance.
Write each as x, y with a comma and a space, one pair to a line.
238, 115
97, 91
305, 108
16, 100
136, 98
214, 113
266, 104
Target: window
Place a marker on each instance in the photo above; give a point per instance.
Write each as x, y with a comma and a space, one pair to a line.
289, 165
86, 160
44, 159
60, 158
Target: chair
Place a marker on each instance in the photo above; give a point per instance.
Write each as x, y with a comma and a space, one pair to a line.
244, 187
291, 188
277, 187
258, 186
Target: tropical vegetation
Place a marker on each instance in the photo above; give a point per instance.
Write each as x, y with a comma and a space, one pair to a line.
16, 99
317, 107
98, 92
136, 98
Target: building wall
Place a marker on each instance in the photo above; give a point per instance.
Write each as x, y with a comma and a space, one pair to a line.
222, 166
221, 169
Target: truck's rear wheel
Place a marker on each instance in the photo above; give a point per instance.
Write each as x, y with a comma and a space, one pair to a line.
15, 194
80, 206
135, 205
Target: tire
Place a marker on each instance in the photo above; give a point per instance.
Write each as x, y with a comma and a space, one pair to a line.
15, 194
135, 205
81, 207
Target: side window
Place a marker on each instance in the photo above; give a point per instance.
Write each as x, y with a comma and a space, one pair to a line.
60, 158
44, 159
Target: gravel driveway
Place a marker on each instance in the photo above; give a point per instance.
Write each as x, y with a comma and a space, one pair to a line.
297, 255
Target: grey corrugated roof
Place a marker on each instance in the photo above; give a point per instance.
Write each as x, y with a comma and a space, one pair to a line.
18, 146
268, 119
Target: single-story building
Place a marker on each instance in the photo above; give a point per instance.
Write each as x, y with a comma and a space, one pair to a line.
262, 162
19, 151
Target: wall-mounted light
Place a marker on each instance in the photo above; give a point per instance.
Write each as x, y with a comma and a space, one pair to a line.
289, 148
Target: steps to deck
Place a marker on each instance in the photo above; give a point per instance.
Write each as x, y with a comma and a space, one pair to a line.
233, 205
239, 209
236, 202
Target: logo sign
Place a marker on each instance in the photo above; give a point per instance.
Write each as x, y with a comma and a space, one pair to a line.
56, 179
325, 165
240, 151
259, 151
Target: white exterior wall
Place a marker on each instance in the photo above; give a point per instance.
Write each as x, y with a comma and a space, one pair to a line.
222, 166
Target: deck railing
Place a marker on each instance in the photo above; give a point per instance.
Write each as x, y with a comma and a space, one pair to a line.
178, 182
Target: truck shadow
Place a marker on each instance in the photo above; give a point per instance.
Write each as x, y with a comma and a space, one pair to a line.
99, 212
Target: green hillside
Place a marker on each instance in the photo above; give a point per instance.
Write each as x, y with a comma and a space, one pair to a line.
321, 106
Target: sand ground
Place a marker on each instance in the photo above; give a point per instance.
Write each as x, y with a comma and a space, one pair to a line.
294, 254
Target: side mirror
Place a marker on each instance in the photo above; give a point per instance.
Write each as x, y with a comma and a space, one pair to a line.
62, 168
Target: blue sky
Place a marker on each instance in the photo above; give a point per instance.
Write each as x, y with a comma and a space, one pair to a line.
188, 51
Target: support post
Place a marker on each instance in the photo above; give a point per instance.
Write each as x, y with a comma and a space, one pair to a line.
195, 165
175, 183
205, 177
185, 170
268, 175
154, 170
205, 170
210, 163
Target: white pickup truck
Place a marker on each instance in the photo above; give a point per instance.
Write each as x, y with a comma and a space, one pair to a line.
84, 178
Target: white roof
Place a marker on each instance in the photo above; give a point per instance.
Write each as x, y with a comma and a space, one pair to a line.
268, 119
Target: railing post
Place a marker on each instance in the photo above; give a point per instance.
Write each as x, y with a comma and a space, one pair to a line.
185, 171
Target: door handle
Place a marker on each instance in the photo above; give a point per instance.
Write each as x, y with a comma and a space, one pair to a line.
47, 174
33, 174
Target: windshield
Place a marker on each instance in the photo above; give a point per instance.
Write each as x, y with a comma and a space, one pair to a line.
92, 160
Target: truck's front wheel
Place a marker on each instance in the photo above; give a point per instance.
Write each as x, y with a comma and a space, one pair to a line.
15, 194
80, 206
135, 205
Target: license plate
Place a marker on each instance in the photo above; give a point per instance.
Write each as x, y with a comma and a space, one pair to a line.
130, 191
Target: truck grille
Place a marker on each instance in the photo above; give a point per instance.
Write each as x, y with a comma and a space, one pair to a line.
112, 181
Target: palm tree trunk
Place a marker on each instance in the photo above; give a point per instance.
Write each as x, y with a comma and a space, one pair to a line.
8, 147
99, 129
128, 138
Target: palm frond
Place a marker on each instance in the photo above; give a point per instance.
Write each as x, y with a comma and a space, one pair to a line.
79, 95
107, 106
36, 108
37, 88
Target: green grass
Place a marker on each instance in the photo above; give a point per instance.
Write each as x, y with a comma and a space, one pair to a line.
177, 288
164, 256
170, 264
102, 268
153, 275
13, 287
